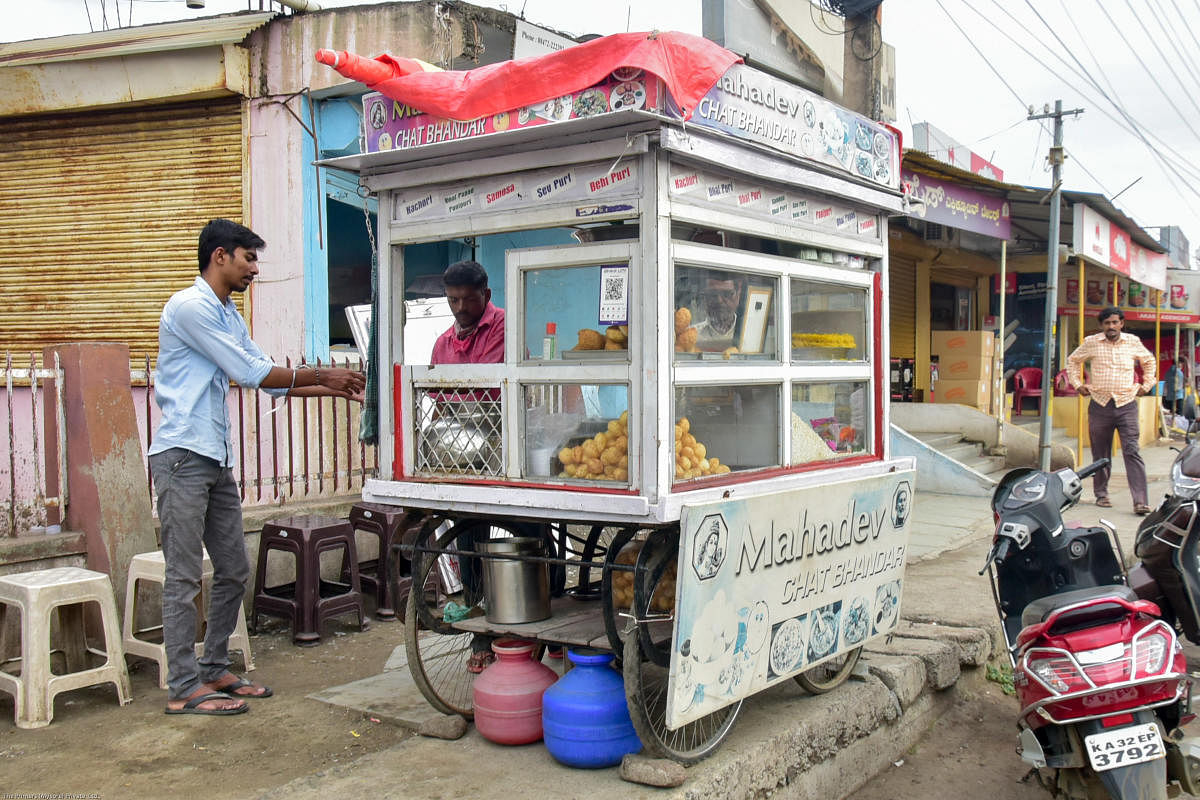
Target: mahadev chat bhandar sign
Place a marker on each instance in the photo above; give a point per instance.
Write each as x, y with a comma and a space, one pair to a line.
771, 586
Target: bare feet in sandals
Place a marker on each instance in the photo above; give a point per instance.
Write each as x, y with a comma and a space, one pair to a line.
235, 686
207, 702
479, 661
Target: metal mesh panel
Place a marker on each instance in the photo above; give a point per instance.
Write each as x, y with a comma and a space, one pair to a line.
460, 432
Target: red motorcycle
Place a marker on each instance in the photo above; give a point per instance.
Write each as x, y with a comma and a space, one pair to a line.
1100, 676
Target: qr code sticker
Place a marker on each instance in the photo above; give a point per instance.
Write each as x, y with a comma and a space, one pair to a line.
614, 289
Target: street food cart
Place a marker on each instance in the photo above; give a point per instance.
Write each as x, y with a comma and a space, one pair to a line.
702, 441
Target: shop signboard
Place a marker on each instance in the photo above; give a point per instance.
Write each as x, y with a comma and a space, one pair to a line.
1180, 301
771, 586
1103, 242
956, 205
598, 190
392, 125
756, 198
760, 108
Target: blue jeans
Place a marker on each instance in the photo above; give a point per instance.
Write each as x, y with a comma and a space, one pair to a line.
198, 506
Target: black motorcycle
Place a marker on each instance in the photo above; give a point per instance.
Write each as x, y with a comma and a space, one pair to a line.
1168, 542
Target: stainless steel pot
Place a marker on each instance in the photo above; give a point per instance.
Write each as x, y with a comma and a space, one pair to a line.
515, 591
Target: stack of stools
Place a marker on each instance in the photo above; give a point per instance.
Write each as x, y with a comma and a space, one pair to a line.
152, 568
386, 523
35, 595
309, 600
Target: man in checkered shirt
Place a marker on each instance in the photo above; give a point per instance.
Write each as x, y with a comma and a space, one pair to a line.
1114, 390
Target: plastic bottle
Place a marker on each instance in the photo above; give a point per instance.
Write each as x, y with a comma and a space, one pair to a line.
550, 342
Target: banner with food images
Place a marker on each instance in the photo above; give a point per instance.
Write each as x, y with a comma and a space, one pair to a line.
772, 586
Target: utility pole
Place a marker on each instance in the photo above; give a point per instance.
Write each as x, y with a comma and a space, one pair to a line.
1050, 329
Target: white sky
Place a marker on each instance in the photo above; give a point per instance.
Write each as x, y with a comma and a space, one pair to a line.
942, 79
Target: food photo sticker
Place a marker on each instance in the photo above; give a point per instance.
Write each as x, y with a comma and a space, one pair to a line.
591, 102
824, 626
787, 646
857, 623
887, 606
627, 95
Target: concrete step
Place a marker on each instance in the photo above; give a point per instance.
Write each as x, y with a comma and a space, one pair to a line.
986, 465
962, 451
938, 441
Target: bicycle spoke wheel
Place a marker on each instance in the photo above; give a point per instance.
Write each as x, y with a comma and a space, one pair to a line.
831, 674
437, 653
646, 694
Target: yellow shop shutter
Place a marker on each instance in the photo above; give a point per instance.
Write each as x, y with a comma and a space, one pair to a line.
99, 214
902, 305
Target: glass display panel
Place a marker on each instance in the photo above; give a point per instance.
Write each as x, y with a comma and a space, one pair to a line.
724, 315
588, 308
830, 420
576, 432
459, 432
829, 322
720, 429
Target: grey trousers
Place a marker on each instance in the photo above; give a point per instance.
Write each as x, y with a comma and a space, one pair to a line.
1103, 421
198, 505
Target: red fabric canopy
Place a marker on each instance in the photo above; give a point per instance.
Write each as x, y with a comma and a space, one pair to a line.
688, 65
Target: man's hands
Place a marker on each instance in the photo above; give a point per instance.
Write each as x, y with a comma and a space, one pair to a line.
1085, 390
346, 383
1142, 390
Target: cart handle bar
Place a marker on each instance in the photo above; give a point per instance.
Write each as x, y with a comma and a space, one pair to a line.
519, 557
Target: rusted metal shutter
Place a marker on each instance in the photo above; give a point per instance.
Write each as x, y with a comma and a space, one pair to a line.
99, 214
902, 304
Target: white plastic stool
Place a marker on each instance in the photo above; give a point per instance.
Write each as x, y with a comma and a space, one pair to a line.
152, 567
66, 589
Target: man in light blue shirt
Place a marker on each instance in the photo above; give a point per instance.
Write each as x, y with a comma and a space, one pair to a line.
203, 344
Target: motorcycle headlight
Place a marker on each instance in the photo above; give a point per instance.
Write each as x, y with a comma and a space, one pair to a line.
1183, 485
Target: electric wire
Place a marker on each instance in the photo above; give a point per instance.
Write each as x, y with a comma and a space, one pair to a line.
1130, 125
1175, 41
1167, 61
1153, 77
1082, 166
990, 66
1133, 126
1189, 28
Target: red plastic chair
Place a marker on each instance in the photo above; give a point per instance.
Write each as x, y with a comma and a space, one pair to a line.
1027, 382
1062, 385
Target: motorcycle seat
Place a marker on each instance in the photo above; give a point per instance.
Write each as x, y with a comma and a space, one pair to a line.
1039, 610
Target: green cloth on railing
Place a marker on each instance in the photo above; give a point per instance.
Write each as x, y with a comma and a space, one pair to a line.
368, 420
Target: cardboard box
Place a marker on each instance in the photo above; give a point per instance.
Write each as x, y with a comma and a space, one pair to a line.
977, 394
946, 344
965, 367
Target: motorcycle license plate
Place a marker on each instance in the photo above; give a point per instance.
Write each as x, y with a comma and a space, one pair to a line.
1123, 746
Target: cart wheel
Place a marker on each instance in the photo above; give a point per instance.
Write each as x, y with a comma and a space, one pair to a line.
646, 695
831, 674
608, 609
595, 547
437, 652
659, 552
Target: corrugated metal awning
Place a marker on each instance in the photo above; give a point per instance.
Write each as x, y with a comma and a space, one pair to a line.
156, 38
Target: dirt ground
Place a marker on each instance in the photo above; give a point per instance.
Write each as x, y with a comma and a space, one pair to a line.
969, 752
95, 748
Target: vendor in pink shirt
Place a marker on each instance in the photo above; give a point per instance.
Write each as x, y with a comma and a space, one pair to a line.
477, 335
